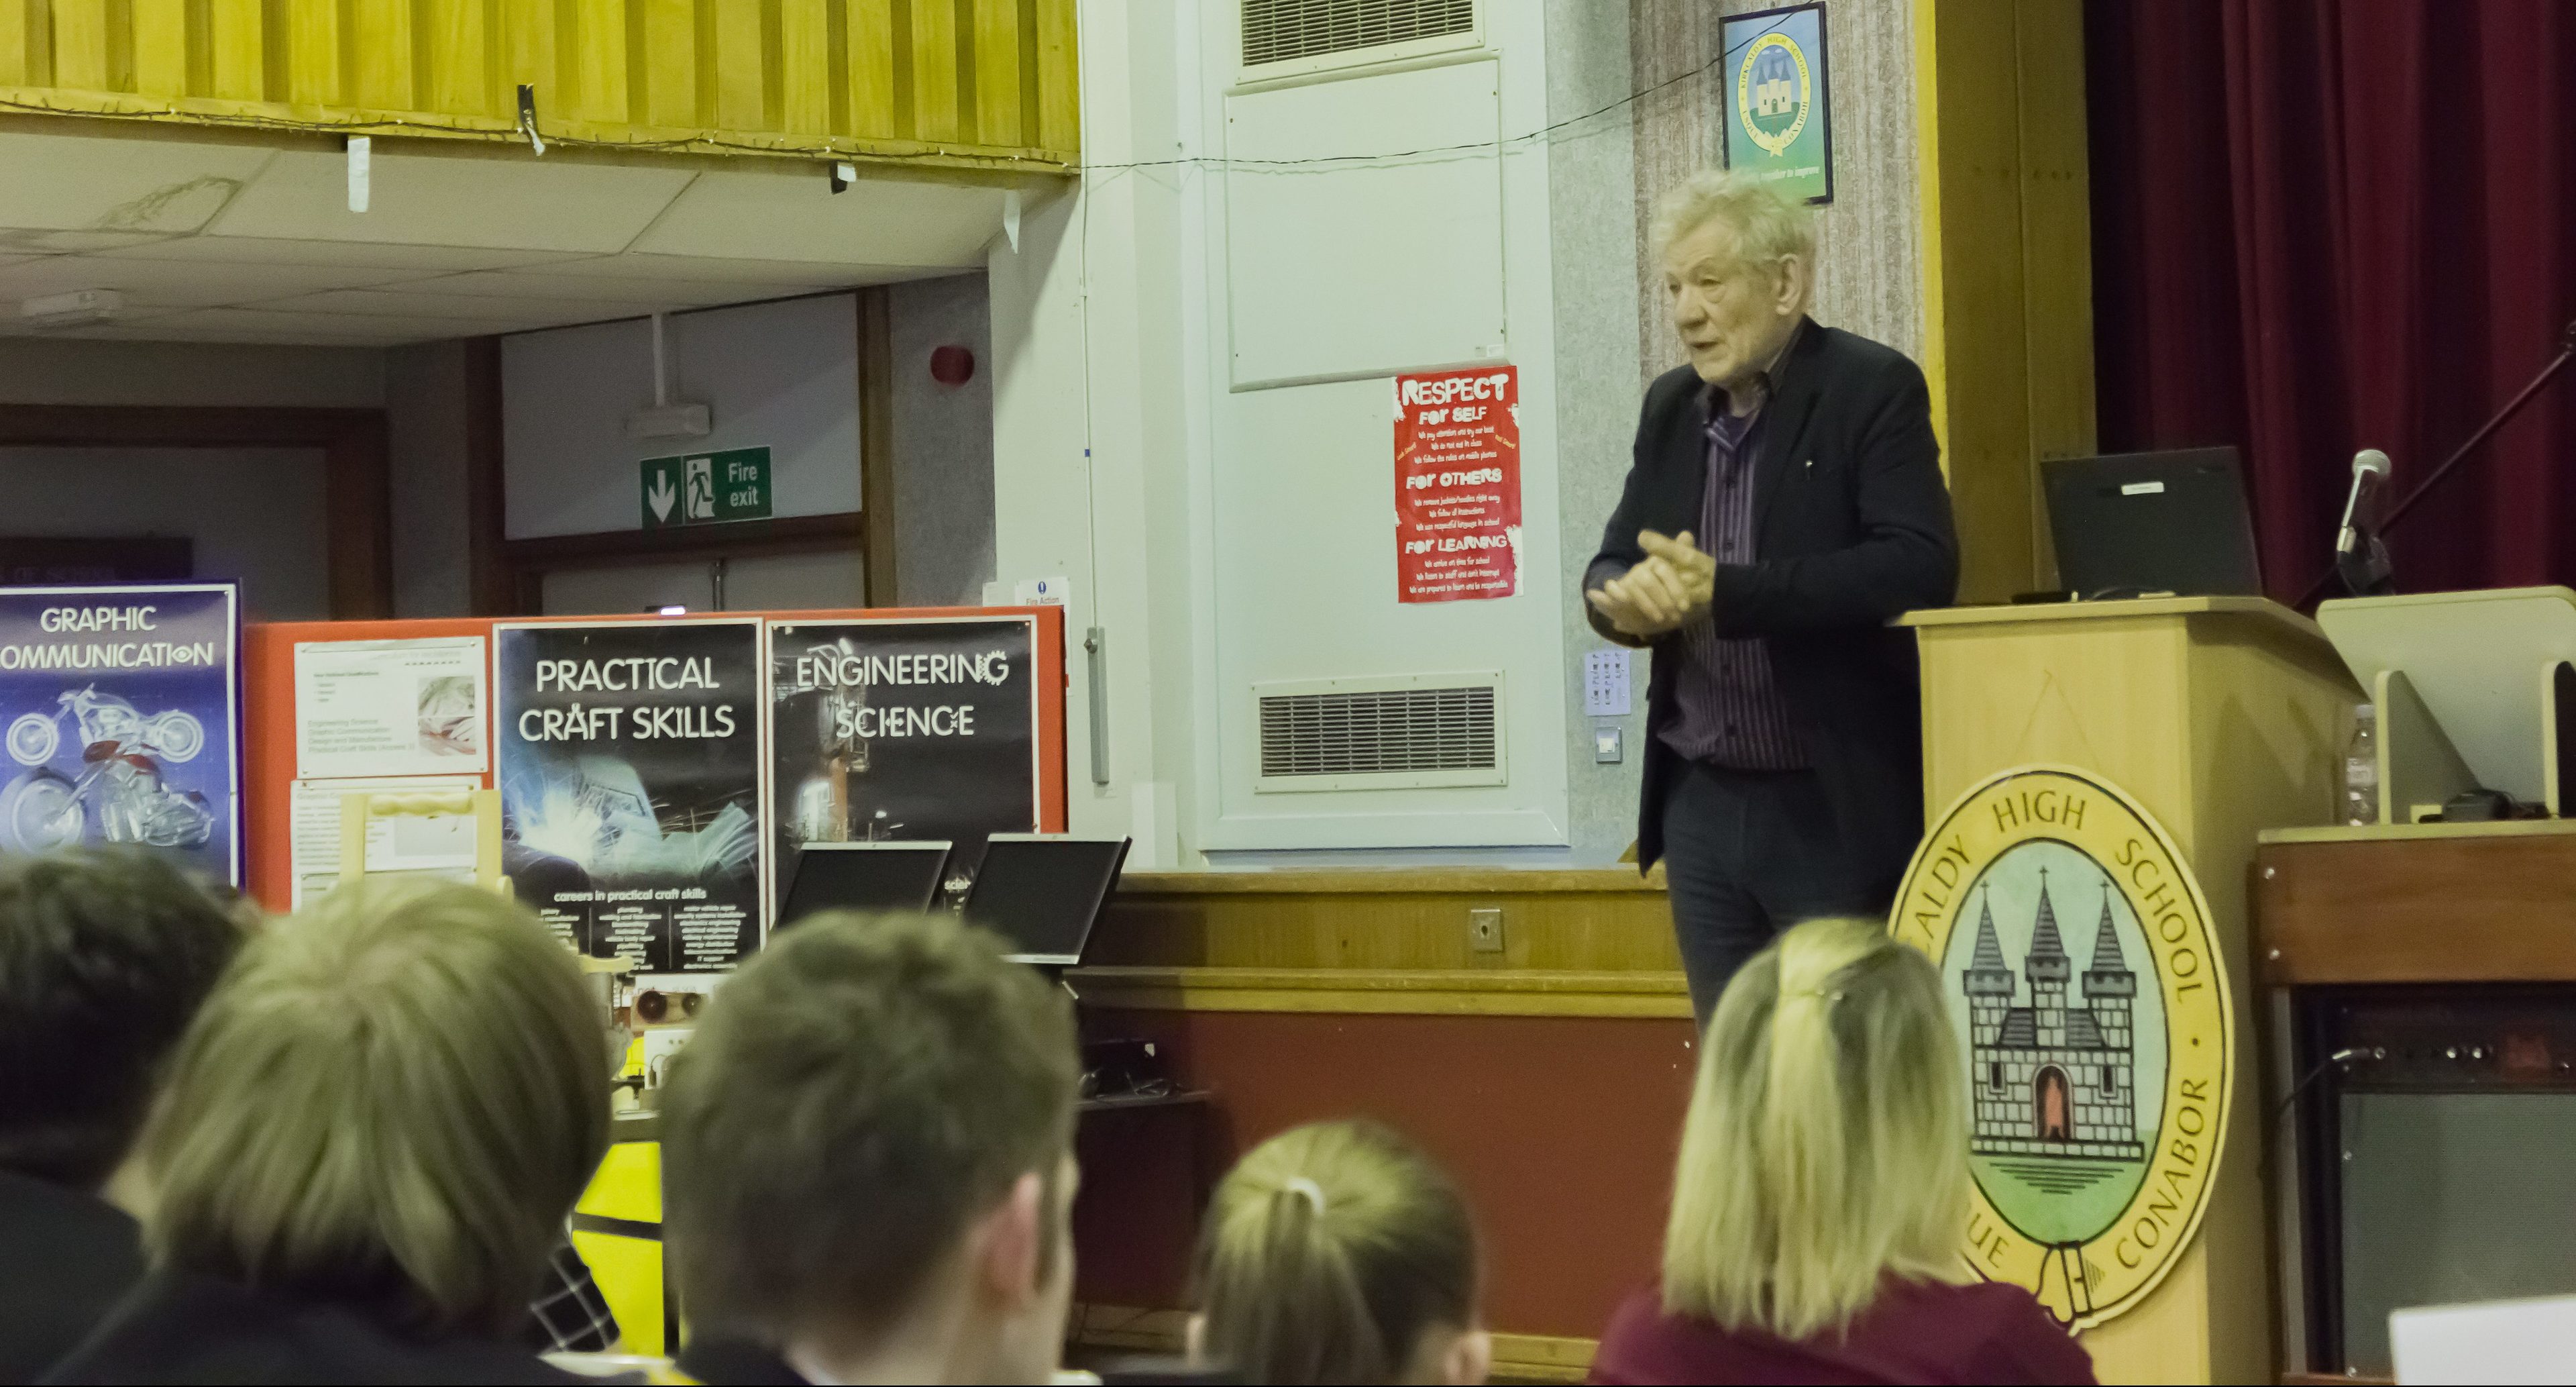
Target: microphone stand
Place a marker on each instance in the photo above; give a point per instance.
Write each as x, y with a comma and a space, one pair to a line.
2566, 352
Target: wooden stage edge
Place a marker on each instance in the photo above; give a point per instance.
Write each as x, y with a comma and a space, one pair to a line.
1574, 942
1517, 1357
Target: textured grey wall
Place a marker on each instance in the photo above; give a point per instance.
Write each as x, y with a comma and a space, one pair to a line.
943, 443
1869, 272
1592, 221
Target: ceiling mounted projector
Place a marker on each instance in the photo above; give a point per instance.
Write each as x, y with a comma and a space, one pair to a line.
72, 309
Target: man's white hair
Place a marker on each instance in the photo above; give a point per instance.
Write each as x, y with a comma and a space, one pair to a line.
1767, 226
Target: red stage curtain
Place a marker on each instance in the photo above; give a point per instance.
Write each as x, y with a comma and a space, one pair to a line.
2320, 227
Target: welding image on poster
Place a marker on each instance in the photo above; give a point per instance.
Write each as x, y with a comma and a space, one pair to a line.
910, 728
630, 774
120, 705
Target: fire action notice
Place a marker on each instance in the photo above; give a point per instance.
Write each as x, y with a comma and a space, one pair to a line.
1458, 485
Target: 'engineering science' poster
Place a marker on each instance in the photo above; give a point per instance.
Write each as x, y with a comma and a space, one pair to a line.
904, 728
630, 759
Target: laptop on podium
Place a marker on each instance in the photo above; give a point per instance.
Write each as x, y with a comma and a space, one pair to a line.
2153, 524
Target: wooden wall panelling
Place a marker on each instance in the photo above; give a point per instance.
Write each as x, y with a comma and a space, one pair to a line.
1587, 921
160, 47
970, 86
934, 70
877, 444
2483, 903
236, 44
357, 498
2007, 239
806, 68
492, 588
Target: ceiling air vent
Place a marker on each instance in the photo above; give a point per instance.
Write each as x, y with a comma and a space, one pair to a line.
1405, 732
1301, 31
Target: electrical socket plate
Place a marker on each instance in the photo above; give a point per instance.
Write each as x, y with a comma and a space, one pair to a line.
1485, 930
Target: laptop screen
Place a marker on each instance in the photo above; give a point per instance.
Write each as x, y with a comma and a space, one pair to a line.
2134, 524
1043, 893
863, 876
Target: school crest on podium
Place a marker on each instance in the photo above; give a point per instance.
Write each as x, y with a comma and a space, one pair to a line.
2093, 1017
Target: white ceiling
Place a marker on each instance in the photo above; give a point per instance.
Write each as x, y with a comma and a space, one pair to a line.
237, 243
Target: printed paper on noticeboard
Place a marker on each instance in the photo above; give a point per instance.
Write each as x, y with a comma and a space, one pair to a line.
380, 708
313, 830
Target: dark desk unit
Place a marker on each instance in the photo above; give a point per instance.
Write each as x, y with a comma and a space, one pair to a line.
2423, 1066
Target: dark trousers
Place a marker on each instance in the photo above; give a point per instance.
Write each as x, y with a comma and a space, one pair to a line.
1748, 854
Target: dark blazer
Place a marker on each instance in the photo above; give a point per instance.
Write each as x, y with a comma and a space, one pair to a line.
178, 1327
66, 1258
1851, 528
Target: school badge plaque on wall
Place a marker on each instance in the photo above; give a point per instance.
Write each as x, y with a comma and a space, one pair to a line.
2092, 1011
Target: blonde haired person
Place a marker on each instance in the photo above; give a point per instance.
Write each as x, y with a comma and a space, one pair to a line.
1337, 1252
367, 1147
1822, 1189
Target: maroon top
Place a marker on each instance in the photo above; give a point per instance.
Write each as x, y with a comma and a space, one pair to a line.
1915, 1332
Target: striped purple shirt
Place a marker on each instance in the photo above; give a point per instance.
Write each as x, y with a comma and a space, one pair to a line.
1730, 712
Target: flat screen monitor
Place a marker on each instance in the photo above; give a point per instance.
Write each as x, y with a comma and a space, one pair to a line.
863, 876
2141, 524
1044, 892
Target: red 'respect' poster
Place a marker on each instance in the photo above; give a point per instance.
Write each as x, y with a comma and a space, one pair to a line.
1457, 485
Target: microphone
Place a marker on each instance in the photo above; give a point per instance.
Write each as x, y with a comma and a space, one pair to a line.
2369, 466
2360, 559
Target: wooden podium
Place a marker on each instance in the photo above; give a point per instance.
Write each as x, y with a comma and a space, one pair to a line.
2222, 716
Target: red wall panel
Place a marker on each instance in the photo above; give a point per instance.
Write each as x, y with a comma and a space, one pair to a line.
1561, 1130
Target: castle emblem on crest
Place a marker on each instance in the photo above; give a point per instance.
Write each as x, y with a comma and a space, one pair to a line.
2051, 1078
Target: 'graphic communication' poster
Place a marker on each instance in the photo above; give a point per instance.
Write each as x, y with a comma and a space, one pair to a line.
630, 774
910, 728
120, 705
1457, 485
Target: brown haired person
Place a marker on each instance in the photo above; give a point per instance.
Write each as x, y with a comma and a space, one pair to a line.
867, 1161
104, 958
366, 1151
1338, 1253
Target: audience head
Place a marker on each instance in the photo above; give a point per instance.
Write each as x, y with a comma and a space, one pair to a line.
392, 1101
105, 956
867, 1153
1339, 1253
1826, 1146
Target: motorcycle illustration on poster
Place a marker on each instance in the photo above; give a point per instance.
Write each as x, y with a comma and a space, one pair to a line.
903, 728
121, 709
630, 758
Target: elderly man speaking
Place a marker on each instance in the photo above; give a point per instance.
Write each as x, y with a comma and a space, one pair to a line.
1784, 502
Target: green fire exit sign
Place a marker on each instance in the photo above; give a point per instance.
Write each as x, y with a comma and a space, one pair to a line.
706, 488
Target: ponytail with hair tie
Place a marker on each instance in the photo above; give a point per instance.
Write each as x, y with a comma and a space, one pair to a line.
1288, 1296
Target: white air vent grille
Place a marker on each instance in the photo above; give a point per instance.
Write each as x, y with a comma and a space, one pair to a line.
1281, 31
1406, 732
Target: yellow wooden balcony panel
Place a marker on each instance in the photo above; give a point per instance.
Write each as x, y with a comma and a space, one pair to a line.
985, 85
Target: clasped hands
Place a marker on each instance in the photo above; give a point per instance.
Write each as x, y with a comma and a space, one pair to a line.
1666, 590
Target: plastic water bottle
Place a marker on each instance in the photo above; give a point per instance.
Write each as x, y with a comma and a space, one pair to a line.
2361, 769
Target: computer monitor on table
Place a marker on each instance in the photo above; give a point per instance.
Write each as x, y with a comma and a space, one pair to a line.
1044, 892
864, 876
2153, 524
